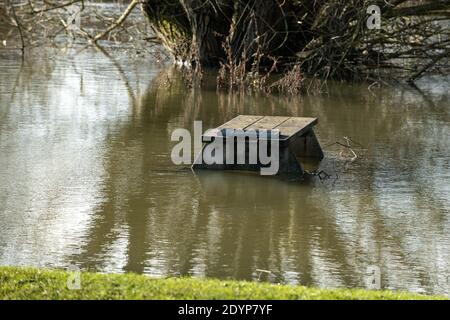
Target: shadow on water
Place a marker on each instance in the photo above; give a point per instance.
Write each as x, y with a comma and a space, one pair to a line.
86, 168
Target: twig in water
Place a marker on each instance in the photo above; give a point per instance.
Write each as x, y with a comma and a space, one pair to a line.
261, 271
347, 149
118, 22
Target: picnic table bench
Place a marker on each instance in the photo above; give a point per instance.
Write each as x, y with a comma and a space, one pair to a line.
296, 139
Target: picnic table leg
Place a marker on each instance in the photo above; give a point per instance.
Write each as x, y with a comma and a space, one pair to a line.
307, 146
288, 161
199, 162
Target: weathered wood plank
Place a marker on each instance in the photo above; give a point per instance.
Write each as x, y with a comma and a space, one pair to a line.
295, 126
267, 123
240, 122
288, 126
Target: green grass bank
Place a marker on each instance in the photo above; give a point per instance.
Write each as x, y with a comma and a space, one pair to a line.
29, 283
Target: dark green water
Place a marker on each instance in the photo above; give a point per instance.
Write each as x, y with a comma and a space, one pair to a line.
86, 179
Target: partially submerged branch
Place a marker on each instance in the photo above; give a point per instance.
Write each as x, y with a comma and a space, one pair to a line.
346, 156
118, 22
18, 25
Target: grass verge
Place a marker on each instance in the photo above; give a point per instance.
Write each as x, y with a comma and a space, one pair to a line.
29, 283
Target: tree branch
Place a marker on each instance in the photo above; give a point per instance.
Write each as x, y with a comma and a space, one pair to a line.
118, 22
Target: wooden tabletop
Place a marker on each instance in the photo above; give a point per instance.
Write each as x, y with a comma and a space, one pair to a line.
288, 126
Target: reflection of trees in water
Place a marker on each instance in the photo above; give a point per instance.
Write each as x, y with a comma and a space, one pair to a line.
52, 121
229, 225
19, 89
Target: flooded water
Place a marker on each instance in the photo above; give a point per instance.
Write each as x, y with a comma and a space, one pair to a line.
86, 179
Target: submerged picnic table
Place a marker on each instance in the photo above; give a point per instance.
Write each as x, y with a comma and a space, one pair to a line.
296, 139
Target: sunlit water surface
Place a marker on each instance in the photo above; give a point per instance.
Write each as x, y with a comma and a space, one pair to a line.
86, 179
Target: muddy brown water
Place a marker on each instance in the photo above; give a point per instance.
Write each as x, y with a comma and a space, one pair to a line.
86, 179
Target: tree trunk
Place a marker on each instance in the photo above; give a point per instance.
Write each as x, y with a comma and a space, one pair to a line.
326, 38
210, 23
